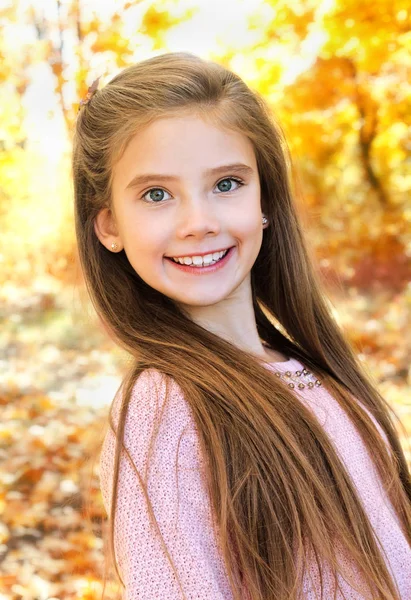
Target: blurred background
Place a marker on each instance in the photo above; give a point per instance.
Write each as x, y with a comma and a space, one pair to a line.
336, 74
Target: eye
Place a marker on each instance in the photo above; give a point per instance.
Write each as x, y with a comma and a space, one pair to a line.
156, 195
225, 185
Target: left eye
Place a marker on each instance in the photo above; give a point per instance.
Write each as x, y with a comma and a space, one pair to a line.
225, 185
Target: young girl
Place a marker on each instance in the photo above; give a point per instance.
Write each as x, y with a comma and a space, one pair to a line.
247, 456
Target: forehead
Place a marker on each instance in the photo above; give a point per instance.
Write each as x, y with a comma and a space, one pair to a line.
180, 144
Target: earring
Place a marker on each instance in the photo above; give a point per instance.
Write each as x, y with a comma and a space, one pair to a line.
265, 220
114, 246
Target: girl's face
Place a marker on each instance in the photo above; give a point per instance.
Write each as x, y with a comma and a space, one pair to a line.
185, 188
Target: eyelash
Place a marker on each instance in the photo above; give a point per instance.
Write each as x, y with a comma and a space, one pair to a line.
236, 179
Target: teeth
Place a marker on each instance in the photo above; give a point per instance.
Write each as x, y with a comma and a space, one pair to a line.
200, 261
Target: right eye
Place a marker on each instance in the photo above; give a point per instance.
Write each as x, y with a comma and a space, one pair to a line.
156, 196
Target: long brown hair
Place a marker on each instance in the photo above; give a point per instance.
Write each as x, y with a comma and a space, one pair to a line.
267, 456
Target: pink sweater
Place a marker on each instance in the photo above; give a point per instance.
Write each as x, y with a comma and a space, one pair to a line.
182, 508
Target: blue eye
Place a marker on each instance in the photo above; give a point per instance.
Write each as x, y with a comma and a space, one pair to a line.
156, 195
226, 185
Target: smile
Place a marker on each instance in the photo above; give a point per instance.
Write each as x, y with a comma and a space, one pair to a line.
202, 264
201, 261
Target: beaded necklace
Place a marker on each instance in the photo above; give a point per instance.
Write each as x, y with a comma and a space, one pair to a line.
297, 378
300, 378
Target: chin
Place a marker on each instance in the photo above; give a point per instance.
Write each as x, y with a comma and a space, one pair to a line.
199, 302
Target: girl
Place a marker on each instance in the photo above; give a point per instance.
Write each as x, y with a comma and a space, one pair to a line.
247, 454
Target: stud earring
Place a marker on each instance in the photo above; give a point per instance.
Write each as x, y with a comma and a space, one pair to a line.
265, 220
114, 246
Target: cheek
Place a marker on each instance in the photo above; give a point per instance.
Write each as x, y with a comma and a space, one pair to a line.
144, 241
251, 236
250, 228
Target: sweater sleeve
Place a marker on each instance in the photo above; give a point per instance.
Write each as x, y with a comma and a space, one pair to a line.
178, 496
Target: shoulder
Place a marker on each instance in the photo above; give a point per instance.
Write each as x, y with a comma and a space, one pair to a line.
154, 397
159, 428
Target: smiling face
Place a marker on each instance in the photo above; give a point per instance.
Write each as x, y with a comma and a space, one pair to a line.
185, 187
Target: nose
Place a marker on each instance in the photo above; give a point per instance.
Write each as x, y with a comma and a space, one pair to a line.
198, 218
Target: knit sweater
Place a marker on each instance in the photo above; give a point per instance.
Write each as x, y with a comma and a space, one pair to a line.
176, 488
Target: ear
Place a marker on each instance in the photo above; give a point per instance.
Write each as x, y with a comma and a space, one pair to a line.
106, 230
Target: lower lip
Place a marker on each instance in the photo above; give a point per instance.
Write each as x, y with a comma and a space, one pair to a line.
204, 270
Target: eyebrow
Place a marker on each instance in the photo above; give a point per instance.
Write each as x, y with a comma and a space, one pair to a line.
239, 168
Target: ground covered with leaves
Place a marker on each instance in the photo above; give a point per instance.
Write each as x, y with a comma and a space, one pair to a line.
59, 373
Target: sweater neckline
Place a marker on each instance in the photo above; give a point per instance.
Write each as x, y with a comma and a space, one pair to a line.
286, 365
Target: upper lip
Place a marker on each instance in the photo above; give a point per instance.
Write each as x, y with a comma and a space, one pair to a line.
199, 253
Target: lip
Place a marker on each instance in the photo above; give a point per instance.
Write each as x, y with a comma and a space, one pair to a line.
200, 253
204, 270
